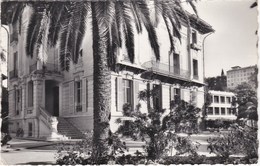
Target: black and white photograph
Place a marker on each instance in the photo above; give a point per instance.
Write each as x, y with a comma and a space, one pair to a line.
119, 82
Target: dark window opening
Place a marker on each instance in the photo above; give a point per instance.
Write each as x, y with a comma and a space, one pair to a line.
195, 68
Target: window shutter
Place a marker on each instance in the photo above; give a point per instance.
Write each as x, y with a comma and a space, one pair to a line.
171, 63
160, 96
136, 92
84, 94
71, 98
119, 94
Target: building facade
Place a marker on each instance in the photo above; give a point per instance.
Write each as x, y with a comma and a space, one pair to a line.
238, 75
221, 106
46, 102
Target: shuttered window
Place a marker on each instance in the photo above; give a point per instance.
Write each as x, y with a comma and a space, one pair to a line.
157, 96
128, 91
78, 95
30, 94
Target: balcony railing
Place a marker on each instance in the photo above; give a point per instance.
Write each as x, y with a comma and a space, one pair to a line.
14, 37
166, 69
46, 66
13, 74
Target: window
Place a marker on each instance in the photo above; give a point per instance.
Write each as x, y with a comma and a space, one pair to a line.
15, 61
177, 92
222, 99
228, 100
216, 111
128, 91
229, 111
30, 129
194, 36
216, 99
157, 96
30, 94
78, 95
195, 68
18, 101
210, 111
223, 111
176, 63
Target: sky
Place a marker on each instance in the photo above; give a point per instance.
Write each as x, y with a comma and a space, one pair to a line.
234, 40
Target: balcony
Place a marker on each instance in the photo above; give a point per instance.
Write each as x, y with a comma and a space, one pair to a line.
195, 46
13, 74
166, 70
47, 67
14, 37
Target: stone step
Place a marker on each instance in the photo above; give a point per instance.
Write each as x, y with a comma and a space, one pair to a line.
67, 129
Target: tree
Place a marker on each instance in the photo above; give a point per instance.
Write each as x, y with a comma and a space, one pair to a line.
218, 83
111, 21
246, 101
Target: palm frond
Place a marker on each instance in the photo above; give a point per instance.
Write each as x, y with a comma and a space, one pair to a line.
127, 30
253, 5
142, 11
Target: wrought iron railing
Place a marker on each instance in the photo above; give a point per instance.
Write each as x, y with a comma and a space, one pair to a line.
166, 69
46, 67
13, 74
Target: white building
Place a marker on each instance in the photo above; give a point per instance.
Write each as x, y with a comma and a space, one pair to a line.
40, 99
238, 75
221, 105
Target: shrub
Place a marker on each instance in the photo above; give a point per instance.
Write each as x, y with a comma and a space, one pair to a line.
158, 128
239, 139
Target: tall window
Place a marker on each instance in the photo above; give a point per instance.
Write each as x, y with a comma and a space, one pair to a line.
194, 36
176, 63
210, 111
157, 97
216, 111
30, 94
223, 111
228, 100
222, 99
30, 129
229, 111
128, 91
195, 68
18, 101
177, 92
78, 95
216, 99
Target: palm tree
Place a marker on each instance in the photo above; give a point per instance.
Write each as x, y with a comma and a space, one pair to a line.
112, 21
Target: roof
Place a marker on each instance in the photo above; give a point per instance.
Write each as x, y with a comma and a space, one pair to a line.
241, 68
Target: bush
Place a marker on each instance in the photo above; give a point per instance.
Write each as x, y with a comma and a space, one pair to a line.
239, 139
195, 159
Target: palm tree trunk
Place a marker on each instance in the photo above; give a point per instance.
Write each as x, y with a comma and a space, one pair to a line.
102, 91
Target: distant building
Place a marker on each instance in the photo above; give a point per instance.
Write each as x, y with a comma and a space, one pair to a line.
218, 83
238, 75
220, 107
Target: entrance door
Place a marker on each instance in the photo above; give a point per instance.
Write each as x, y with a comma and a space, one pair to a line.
56, 101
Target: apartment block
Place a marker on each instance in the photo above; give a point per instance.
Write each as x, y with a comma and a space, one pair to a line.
238, 75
